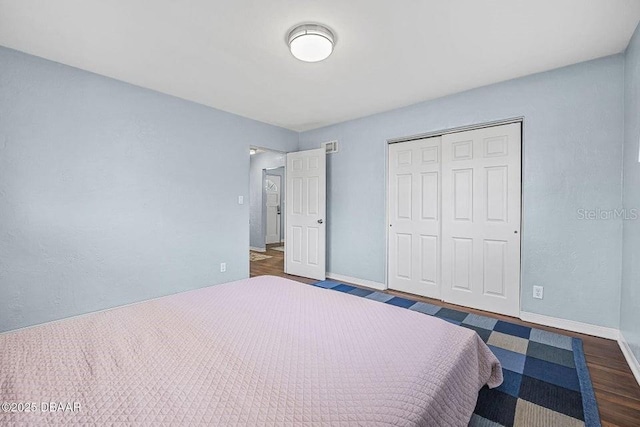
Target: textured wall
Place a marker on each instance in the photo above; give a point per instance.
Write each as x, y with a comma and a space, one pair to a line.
111, 194
259, 162
572, 157
630, 297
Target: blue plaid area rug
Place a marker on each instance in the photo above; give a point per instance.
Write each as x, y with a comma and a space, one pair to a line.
546, 380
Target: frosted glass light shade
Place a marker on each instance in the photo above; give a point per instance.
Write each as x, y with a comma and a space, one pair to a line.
311, 42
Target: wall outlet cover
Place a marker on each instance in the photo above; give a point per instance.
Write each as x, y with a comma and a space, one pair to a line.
223, 267
538, 292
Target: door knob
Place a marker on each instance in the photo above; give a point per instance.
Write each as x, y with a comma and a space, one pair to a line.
320, 221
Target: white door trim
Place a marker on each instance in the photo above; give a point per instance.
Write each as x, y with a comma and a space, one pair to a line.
442, 132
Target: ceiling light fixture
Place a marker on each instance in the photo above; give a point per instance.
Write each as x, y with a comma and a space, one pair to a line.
311, 42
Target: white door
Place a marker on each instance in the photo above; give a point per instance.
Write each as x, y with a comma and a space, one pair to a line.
272, 187
305, 214
414, 213
481, 188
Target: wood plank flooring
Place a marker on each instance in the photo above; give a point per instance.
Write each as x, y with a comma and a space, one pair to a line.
617, 392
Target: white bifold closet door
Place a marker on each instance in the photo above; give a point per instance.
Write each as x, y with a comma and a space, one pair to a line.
470, 195
414, 212
481, 188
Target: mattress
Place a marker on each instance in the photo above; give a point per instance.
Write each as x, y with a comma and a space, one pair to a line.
261, 351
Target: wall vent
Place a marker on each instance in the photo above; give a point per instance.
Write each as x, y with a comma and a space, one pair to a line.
330, 147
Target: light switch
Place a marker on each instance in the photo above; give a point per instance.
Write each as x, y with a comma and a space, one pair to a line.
241, 200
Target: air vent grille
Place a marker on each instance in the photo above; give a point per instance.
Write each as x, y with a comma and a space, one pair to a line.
330, 147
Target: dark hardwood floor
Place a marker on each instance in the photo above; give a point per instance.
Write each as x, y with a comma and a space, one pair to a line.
274, 266
617, 392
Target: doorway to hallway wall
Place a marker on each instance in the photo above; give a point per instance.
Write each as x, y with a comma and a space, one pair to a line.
288, 207
266, 222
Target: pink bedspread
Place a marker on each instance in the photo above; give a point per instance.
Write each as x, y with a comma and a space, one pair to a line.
263, 351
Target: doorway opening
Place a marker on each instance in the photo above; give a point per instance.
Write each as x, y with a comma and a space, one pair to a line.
267, 203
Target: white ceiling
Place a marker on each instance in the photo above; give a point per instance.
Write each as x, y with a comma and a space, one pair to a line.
231, 54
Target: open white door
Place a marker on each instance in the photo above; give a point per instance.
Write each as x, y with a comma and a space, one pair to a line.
305, 214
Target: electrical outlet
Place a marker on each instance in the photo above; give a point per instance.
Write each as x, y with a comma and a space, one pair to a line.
223, 267
538, 291
241, 200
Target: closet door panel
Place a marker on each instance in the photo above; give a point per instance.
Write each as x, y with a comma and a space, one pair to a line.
414, 217
481, 196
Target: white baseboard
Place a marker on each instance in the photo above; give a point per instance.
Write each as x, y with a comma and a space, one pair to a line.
356, 281
631, 358
257, 249
571, 325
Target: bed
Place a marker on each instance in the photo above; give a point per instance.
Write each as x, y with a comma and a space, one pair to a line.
261, 351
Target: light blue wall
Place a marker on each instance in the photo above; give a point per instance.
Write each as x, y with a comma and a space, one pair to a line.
259, 162
630, 297
572, 158
110, 193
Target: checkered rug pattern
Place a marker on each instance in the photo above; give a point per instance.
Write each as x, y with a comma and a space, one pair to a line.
546, 380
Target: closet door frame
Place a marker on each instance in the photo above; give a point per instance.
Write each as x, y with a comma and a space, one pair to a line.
517, 119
